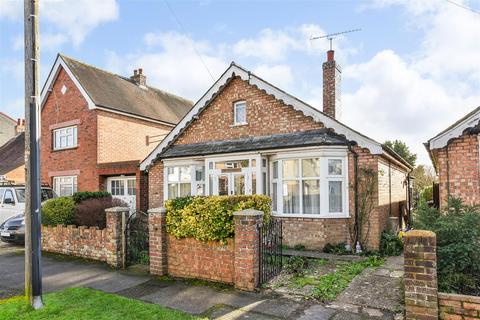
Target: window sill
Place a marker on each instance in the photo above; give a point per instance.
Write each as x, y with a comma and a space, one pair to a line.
315, 216
239, 124
63, 149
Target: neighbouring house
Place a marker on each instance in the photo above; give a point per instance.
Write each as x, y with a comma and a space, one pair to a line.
455, 156
9, 128
246, 136
97, 126
12, 160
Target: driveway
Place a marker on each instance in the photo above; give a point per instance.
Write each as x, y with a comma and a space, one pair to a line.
213, 302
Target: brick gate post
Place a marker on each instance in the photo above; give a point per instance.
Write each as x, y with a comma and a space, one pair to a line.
247, 251
420, 278
157, 230
116, 224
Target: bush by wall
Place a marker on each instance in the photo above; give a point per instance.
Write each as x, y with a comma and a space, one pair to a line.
211, 217
58, 211
390, 244
91, 212
85, 195
458, 245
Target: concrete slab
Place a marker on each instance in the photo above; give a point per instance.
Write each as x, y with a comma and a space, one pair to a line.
231, 313
317, 312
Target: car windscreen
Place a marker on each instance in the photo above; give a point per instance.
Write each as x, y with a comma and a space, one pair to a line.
46, 194
20, 194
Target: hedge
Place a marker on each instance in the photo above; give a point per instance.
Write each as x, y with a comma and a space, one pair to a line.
58, 211
85, 195
210, 218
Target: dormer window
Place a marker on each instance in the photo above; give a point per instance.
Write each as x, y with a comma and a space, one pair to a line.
240, 113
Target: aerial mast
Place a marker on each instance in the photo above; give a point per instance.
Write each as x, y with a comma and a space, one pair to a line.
332, 36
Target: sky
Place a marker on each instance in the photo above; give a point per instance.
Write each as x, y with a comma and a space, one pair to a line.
412, 70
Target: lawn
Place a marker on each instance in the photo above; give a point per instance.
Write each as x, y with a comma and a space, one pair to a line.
83, 303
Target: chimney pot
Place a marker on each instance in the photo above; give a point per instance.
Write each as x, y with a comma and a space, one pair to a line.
135, 72
139, 78
330, 55
18, 121
140, 71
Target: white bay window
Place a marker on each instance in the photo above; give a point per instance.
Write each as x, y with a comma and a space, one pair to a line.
184, 180
309, 186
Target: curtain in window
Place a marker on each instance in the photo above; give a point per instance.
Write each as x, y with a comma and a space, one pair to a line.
311, 196
291, 197
335, 196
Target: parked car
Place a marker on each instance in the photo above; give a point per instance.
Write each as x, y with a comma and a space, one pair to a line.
12, 200
13, 230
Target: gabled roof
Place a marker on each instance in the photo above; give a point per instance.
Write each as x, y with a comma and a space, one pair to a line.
112, 92
321, 137
235, 70
470, 121
12, 154
6, 116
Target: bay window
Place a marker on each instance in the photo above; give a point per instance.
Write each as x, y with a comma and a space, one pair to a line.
309, 186
184, 180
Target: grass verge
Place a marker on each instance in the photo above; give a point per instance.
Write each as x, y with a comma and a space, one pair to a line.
83, 303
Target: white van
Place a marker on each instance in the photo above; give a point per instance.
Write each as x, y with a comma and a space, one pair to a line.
12, 200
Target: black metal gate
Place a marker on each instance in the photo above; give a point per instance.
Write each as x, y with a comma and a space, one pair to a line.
136, 239
270, 249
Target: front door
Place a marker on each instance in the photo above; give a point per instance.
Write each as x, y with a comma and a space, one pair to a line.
123, 188
231, 183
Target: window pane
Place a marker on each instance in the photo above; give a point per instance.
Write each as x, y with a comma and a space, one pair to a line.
275, 170
200, 189
200, 173
172, 174
274, 196
172, 191
121, 187
240, 112
254, 183
264, 183
131, 187
335, 196
239, 184
223, 185
311, 196
210, 184
185, 173
185, 189
290, 169
335, 167
291, 200
311, 167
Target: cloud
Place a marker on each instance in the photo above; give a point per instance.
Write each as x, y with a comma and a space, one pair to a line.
279, 75
71, 19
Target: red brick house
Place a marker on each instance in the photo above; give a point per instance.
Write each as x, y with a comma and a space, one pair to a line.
455, 156
246, 136
97, 126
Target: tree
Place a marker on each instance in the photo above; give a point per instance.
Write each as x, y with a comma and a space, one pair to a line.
403, 150
424, 177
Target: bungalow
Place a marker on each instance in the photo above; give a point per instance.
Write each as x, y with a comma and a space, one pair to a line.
246, 136
455, 156
97, 126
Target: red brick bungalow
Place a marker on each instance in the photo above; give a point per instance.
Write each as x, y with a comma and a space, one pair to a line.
246, 136
455, 156
97, 126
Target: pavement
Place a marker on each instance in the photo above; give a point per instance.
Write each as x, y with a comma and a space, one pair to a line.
213, 302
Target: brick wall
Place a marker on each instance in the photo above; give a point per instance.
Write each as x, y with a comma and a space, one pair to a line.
190, 258
458, 307
90, 243
155, 185
59, 108
464, 176
122, 138
236, 262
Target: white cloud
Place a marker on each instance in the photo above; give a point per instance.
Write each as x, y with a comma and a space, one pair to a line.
52, 41
71, 19
279, 75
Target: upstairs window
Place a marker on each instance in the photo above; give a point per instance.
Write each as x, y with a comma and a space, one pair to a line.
65, 138
240, 113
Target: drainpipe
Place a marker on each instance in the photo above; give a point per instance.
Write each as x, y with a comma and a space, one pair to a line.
448, 179
355, 190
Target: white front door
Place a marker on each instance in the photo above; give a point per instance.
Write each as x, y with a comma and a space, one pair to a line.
231, 183
123, 188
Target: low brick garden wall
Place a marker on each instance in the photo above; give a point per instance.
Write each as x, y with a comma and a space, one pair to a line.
422, 299
90, 243
235, 263
458, 306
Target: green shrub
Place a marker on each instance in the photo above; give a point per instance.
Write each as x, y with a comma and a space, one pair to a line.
458, 245
338, 248
85, 195
58, 211
299, 247
210, 218
295, 265
427, 193
390, 244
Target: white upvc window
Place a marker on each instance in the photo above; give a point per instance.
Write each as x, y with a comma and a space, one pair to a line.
65, 138
240, 113
65, 186
184, 180
314, 186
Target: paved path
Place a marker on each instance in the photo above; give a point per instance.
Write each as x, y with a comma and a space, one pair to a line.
211, 302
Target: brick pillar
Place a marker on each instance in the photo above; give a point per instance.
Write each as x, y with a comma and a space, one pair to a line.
420, 278
247, 249
157, 230
116, 218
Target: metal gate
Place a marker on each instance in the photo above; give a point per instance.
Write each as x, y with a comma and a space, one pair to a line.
136, 239
270, 249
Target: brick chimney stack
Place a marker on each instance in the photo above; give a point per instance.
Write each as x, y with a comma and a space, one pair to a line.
331, 86
139, 78
20, 126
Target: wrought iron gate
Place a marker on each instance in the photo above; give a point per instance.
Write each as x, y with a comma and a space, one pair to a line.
136, 239
270, 249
